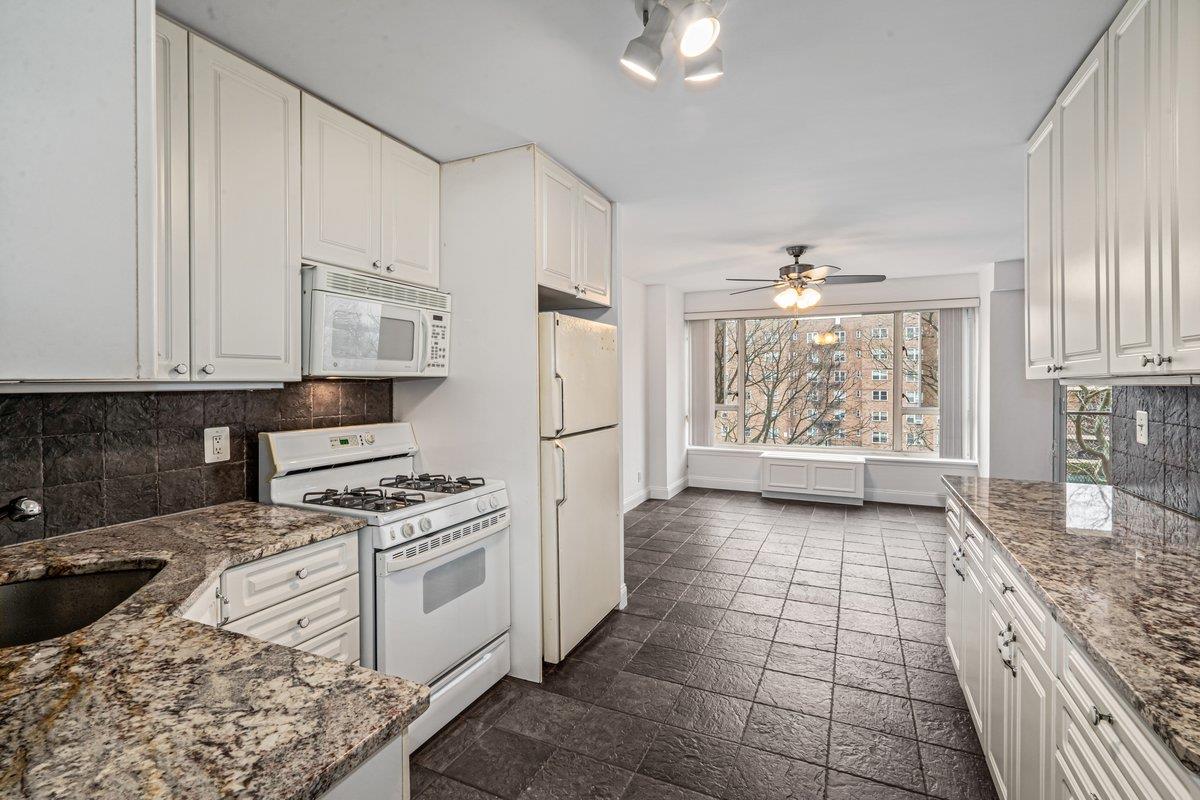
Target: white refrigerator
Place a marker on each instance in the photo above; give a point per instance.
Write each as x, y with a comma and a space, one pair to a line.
580, 481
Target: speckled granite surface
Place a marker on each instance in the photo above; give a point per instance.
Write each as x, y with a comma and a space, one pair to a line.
1122, 577
146, 704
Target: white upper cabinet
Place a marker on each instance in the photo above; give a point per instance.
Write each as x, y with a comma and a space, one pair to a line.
245, 126
1180, 46
1083, 283
1041, 273
172, 245
341, 188
411, 197
557, 225
595, 246
574, 235
1133, 206
76, 203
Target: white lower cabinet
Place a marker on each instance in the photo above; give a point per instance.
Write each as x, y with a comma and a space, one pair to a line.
1050, 726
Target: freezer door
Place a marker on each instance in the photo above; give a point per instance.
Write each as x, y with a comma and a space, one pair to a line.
581, 537
578, 384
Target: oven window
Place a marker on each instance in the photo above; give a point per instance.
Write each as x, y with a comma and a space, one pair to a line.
397, 338
451, 581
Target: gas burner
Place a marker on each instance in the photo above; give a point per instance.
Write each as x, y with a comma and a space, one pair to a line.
361, 497
419, 483
406, 499
458, 485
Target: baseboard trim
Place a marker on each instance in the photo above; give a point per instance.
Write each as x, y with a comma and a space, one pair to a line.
636, 499
905, 498
667, 492
732, 484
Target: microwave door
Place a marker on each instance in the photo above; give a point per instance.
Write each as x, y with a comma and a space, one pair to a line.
363, 338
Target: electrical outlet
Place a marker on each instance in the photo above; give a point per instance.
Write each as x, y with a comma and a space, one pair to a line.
1142, 433
216, 445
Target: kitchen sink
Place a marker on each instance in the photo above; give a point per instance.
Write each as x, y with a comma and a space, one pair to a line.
32, 611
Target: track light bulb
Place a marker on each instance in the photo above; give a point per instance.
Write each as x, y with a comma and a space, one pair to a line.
697, 29
643, 56
706, 67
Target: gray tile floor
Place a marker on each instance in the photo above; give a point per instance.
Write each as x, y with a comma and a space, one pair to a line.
770, 651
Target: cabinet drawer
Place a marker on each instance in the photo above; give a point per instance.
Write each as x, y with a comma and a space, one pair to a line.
340, 644
1140, 760
1019, 600
304, 617
953, 515
974, 544
260, 584
1078, 770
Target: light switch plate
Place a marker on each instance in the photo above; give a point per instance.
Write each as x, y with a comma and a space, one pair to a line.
216, 445
1143, 424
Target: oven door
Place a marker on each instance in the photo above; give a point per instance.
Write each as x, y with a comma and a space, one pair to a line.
435, 608
356, 337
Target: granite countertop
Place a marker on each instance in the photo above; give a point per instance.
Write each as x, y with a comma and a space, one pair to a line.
144, 703
1120, 574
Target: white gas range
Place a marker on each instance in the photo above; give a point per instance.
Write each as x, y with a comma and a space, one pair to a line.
433, 557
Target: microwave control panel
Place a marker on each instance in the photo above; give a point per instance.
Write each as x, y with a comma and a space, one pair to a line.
438, 353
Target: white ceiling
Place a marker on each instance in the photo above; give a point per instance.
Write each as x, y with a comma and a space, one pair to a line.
889, 134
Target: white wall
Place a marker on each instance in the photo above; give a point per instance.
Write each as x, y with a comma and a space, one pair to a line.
666, 377
634, 463
1020, 412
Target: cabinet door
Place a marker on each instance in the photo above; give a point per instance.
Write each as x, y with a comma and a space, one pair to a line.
1181, 184
341, 188
1032, 706
955, 578
1041, 274
997, 702
245, 220
974, 638
75, 209
1133, 202
557, 192
172, 245
595, 246
411, 192
1082, 301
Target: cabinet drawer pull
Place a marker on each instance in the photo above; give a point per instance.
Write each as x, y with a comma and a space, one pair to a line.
1099, 716
302, 573
1007, 588
303, 622
1146, 361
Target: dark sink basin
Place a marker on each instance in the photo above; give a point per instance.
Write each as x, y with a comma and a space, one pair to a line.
33, 611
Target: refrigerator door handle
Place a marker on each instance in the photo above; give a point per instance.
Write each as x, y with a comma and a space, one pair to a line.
562, 471
562, 404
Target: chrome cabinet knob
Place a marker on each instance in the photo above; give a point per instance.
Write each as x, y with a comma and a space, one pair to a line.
391, 267
1006, 588
377, 264
180, 369
1049, 368
302, 573
1160, 359
208, 369
303, 622
22, 509
1099, 716
1146, 361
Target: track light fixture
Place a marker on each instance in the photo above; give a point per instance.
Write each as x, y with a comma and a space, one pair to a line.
694, 25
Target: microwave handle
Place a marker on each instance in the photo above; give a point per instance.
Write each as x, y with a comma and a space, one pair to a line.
424, 344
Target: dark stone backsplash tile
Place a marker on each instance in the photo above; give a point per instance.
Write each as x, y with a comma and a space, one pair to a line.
1166, 470
105, 458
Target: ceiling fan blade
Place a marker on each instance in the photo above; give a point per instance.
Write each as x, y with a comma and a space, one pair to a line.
755, 289
855, 278
818, 273
755, 280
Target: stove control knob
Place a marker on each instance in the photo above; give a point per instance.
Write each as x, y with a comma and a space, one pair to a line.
407, 530
493, 501
425, 524
481, 504
369, 438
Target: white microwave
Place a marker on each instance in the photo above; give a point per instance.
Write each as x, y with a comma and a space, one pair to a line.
360, 326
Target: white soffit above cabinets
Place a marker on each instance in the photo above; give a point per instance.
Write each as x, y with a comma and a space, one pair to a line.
891, 133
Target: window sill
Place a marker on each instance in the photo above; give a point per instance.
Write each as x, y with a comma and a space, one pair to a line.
755, 451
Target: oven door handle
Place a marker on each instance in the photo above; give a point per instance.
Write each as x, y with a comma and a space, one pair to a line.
394, 561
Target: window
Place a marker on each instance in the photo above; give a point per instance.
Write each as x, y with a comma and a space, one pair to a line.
911, 332
783, 381
1088, 429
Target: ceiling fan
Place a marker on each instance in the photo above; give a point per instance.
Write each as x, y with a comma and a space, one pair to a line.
797, 282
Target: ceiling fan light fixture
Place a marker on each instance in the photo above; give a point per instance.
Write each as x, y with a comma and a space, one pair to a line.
706, 67
807, 297
696, 29
788, 298
643, 55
